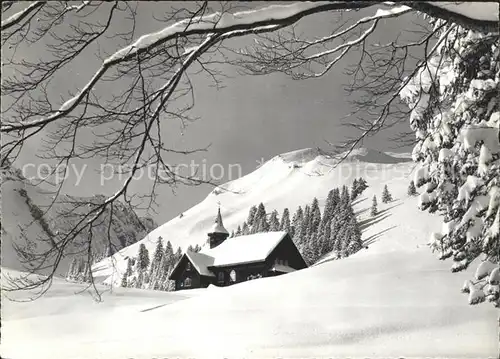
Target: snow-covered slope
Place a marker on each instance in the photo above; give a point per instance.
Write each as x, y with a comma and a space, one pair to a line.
20, 201
287, 180
394, 299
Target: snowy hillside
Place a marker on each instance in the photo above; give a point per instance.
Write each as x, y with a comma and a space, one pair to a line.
392, 300
287, 180
21, 201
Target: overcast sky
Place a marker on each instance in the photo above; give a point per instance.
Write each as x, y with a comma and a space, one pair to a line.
252, 118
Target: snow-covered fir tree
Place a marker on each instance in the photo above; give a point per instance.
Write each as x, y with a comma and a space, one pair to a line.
412, 190
358, 186
362, 185
274, 223
386, 195
143, 258
257, 222
297, 224
285, 224
244, 229
155, 266
315, 216
251, 216
354, 189
262, 225
455, 114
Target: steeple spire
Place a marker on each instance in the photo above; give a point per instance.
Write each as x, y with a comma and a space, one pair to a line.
218, 227
218, 233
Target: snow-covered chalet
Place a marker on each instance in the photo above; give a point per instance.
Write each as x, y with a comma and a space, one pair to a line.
226, 261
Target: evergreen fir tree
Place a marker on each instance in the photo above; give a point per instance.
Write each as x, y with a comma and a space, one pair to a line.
313, 248
257, 219
386, 196
169, 253
285, 222
362, 185
238, 231
143, 258
315, 216
263, 225
306, 222
155, 269
354, 242
297, 225
140, 279
232, 235
344, 197
335, 236
374, 210
336, 198
274, 223
245, 230
251, 215
197, 248
354, 190
325, 239
308, 251
460, 117
129, 267
412, 191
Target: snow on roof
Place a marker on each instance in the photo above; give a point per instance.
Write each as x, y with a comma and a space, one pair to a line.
245, 249
201, 262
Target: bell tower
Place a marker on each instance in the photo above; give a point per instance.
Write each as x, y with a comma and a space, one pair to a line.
218, 233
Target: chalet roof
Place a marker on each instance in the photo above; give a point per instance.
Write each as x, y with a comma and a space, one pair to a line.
201, 262
238, 250
245, 249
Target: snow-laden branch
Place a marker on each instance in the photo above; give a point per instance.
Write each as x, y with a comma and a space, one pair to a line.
478, 16
267, 18
77, 8
222, 22
19, 16
380, 14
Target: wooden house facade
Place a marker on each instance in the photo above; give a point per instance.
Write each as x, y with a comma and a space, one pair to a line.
228, 261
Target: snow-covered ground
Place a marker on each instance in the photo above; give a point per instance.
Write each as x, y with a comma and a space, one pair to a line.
394, 299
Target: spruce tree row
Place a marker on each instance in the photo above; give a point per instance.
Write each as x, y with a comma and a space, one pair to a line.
314, 233
152, 273
142, 271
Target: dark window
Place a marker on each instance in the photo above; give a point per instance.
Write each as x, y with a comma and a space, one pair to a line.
187, 282
188, 266
220, 277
